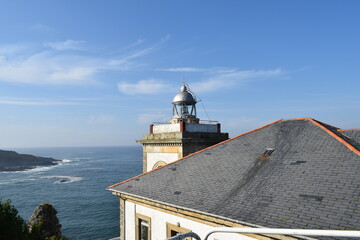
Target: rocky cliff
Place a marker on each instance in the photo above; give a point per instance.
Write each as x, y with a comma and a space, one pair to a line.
45, 221
13, 161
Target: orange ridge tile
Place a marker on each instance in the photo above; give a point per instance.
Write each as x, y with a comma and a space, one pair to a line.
356, 129
336, 137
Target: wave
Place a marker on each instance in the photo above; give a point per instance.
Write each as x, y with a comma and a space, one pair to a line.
40, 169
66, 160
16, 180
65, 179
83, 158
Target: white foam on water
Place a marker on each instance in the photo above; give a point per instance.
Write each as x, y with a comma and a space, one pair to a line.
40, 169
16, 180
65, 179
66, 160
82, 158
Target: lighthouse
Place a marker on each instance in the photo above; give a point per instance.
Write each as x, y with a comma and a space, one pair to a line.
184, 134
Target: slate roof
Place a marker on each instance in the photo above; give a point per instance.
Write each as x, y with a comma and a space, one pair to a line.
311, 180
351, 133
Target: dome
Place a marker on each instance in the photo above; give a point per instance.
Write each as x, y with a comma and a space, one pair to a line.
184, 97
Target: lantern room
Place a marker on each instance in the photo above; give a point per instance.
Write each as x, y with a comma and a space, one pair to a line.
184, 106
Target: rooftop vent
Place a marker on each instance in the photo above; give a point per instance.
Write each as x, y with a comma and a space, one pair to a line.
268, 152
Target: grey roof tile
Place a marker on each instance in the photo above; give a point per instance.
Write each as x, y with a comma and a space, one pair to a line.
354, 134
310, 180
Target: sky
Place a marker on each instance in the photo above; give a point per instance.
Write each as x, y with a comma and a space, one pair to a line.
99, 72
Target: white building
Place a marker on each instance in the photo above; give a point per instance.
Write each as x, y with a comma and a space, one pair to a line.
292, 173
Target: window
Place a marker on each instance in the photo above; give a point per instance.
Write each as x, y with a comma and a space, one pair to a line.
143, 227
268, 152
174, 230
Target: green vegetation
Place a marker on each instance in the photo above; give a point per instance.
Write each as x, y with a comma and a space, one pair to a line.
12, 226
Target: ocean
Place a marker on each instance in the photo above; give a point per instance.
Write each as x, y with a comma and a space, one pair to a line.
75, 187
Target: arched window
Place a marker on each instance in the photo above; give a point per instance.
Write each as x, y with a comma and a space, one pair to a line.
159, 164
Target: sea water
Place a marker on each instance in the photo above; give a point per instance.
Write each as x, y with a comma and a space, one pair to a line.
76, 187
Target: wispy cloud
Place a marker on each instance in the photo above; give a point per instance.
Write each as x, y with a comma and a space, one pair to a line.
39, 28
227, 79
136, 43
11, 49
217, 78
146, 118
213, 70
54, 65
150, 86
50, 68
101, 119
37, 102
184, 69
65, 45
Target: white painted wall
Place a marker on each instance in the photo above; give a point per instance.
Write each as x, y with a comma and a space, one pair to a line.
166, 128
159, 220
129, 221
189, 127
153, 158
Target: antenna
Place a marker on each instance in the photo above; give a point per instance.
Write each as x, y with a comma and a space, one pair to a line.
197, 99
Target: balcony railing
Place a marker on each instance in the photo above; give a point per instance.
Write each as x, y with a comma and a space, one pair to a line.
278, 231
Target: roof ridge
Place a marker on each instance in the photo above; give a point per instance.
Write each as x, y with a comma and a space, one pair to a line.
230, 139
333, 131
318, 123
328, 126
349, 129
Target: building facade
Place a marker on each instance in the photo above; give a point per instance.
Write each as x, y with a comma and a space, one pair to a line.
292, 173
182, 135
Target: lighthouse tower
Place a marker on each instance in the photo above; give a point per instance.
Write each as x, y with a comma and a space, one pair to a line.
183, 135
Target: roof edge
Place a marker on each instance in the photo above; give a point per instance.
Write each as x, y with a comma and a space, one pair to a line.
256, 129
210, 214
202, 150
349, 129
348, 145
190, 209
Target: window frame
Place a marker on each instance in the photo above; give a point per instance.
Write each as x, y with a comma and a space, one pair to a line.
172, 227
139, 217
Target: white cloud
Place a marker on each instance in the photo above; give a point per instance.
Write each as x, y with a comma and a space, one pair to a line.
166, 38
22, 64
36, 102
226, 79
49, 68
39, 28
150, 86
136, 43
147, 118
220, 78
66, 45
101, 119
184, 69
11, 49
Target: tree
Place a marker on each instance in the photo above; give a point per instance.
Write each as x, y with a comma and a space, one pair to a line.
12, 226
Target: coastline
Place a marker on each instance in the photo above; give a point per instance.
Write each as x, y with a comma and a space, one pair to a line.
11, 161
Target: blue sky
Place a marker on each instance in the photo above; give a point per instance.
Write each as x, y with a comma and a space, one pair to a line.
97, 73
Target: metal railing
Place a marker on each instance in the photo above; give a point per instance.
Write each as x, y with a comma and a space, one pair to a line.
279, 231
